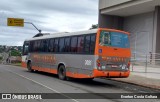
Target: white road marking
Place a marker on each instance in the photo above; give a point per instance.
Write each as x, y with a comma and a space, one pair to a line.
42, 85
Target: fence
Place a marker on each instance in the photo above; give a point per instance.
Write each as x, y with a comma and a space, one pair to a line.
147, 63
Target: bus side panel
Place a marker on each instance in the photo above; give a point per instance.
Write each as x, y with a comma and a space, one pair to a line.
77, 66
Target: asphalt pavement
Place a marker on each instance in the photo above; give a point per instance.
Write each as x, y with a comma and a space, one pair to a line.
15, 79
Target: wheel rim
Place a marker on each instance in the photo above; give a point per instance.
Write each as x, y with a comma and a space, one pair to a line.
29, 66
62, 73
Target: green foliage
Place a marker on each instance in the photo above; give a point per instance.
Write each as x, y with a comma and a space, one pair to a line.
1, 50
15, 53
94, 26
0, 58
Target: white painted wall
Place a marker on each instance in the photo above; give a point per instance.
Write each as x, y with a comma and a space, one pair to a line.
141, 29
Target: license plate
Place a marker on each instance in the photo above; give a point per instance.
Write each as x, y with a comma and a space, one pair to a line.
114, 66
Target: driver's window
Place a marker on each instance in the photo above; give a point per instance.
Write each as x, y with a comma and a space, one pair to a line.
25, 48
105, 38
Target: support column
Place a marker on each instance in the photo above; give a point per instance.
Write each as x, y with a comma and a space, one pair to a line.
109, 21
156, 34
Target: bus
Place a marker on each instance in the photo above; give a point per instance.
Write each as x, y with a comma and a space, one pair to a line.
88, 54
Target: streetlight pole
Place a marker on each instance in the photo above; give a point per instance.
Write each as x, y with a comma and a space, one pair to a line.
34, 26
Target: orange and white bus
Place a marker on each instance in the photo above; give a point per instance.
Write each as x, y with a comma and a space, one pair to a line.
84, 54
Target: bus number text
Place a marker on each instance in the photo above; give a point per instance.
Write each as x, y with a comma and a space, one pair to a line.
88, 62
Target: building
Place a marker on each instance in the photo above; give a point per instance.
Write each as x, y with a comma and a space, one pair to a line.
139, 17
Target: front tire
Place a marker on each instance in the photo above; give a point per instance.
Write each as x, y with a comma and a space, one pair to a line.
29, 67
62, 72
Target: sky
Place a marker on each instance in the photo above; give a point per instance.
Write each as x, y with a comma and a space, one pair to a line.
48, 15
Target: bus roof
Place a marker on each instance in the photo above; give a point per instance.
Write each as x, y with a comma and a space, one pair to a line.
64, 34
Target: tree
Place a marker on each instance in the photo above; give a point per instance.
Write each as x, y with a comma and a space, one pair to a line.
94, 26
15, 53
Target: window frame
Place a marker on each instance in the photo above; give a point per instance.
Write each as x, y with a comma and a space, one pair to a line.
56, 50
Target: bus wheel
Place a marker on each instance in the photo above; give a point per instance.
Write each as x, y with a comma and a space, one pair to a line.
89, 79
29, 67
62, 72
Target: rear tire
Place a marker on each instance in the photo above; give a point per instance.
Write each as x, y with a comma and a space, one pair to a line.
62, 72
89, 79
29, 67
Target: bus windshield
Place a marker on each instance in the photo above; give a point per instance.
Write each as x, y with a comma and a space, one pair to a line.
114, 39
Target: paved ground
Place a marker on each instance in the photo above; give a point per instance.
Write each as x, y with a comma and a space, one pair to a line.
138, 76
18, 80
150, 72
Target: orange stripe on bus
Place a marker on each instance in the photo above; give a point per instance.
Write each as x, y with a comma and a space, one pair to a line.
54, 71
23, 64
48, 70
77, 75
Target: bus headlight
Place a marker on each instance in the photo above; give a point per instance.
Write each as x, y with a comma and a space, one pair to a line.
124, 66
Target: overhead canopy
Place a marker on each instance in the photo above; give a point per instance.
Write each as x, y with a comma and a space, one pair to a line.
131, 8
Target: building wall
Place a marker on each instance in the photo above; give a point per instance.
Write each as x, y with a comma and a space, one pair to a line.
109, 21
108, 3
141, 29
139, 17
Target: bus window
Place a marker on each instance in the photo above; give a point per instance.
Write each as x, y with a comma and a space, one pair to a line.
61, 45
56, 47
80, 44
25, 48
119, 40
67, 44
105, 38
31, 46
39, 45
44, 46
92, 45
51, 45
114, 39
74, 44
87, 44
35, 46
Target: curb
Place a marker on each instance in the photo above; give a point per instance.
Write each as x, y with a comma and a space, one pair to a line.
138, 84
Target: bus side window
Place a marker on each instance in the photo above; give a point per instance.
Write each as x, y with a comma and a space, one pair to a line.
67, 45
38, 45
30, 46
41, 49
87, 44
44, 46
46, 42
56, 46
25, 48
92, 45
51, 45
34, 46
74, 44
61, 45
80, 46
